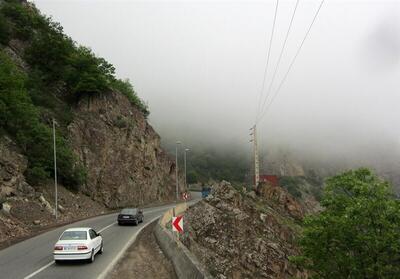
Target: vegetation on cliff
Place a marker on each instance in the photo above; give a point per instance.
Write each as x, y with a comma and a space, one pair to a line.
357, 234
43, 74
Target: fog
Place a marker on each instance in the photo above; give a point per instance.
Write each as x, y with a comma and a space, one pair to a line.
200, 66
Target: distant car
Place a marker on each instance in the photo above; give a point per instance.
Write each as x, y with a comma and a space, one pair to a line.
78, 244
205, 192
130, 216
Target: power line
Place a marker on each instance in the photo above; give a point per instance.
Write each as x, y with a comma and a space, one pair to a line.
267, 59
280, 57
291, 64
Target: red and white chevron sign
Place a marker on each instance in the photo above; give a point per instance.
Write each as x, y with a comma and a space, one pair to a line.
177, 224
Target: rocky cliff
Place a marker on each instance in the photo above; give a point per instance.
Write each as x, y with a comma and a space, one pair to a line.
121, 152
239, 234
109, 156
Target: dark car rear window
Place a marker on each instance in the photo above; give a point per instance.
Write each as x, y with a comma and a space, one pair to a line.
129, 211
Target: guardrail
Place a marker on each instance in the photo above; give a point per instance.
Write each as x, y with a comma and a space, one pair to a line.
186, 265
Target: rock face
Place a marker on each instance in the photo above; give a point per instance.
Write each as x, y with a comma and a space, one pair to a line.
282, 199
12, 168
240, 235
122, 153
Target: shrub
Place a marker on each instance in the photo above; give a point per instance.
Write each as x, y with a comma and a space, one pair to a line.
49, 53
5, 30
357, 235
87, 74
126, 88
24, 18
20, 118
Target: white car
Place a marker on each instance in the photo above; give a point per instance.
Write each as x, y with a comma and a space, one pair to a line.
78, 244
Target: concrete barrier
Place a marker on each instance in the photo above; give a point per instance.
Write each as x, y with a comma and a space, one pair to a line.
185, 263
167, 217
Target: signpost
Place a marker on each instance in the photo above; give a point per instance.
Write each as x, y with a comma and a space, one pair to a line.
177, 224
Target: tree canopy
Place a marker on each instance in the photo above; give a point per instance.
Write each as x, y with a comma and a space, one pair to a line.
358, 233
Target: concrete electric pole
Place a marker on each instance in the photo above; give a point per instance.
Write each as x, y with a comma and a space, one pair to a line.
176, 170
256, 159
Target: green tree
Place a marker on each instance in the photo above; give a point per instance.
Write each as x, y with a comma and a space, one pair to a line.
21, 119
5, 30
87, 74
49, 52
358, 233
192, 177
126, 88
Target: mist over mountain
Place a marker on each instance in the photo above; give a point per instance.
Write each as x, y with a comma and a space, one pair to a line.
200, 66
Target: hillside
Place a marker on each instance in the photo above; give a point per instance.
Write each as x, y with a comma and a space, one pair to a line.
238, 234
108, 156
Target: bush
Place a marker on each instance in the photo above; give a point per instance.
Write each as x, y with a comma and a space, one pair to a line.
36, 175
24, 19
87, 74
5, 30
126, 88
49, 53
192, 177
20, 119
357, 235
292, 185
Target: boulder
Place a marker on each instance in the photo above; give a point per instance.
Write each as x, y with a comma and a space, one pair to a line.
6, 207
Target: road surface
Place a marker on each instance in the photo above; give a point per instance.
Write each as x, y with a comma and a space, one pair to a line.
33, 258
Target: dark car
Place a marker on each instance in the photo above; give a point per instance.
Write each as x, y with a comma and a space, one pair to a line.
130, 216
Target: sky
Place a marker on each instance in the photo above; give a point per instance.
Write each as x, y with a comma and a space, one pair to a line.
200, 66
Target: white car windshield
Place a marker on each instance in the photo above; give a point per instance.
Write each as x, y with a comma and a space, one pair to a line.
74, 235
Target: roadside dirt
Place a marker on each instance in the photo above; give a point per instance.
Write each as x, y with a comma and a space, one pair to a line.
144, 259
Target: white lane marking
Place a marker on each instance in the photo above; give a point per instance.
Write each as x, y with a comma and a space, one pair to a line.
52, 262
108, 269
39, 270
112, 264
103, 229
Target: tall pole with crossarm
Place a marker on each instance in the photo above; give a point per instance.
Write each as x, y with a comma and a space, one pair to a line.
256, 158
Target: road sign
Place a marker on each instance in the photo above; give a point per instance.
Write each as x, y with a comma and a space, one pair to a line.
177, 224
185, 196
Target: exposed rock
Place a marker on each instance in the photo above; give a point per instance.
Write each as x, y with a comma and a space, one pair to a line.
237, 236
125, 164
282, 198
12, 167
252, 194
7, 191
61, 208
6, 207
46, 204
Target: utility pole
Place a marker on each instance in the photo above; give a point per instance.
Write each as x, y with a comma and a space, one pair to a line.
256, 159
55, 169
176, 170
184, 159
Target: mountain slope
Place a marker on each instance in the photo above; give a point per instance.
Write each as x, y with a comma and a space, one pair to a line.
108, 155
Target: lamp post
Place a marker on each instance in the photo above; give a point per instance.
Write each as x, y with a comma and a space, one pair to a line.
55, 169
176, 170
184, 159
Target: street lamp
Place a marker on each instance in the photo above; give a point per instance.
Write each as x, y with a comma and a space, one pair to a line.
55, 169
176, 170
184, 159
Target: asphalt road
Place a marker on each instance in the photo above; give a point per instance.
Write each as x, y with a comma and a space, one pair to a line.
33, 257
